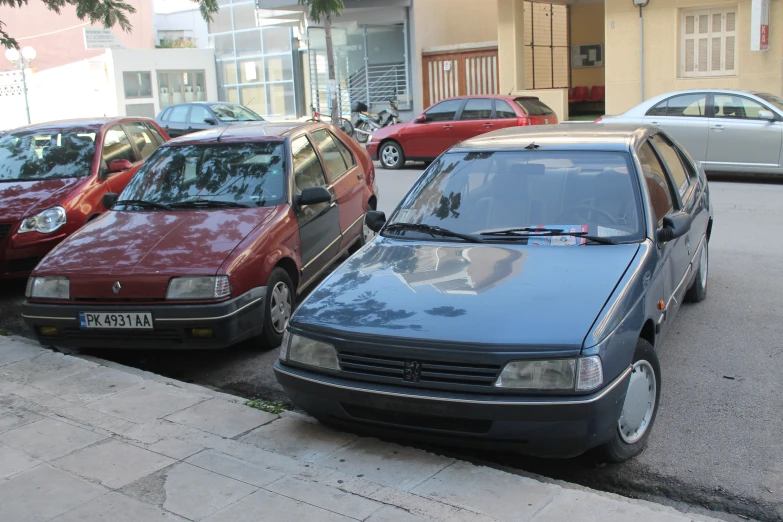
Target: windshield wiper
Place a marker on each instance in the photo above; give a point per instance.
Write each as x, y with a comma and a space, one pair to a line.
533, 232
208, 203
142, 203
432, 230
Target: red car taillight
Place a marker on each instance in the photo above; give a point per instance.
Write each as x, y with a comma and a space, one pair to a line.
523, 122
598, 120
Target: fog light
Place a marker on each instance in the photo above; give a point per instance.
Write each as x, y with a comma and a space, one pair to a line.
202, 333
48, 331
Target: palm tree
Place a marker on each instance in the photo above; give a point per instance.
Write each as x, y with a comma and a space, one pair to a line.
324, 10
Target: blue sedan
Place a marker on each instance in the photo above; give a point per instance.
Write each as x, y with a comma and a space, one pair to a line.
517, 297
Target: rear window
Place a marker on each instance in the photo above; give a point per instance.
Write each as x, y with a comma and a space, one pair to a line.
50, 154
534, 107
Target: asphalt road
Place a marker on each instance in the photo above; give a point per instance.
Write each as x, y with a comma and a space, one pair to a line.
717, 442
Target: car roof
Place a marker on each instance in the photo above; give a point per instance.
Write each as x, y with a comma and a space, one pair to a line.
507, 97
204, 103
79, 122
254, 131
651, 102
563, 136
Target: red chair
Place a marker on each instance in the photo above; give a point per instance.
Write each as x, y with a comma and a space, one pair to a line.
579, 94
597, 94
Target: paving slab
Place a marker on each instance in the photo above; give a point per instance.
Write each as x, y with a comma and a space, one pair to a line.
90, 385
15, 417
222, 417
113, 463
393, 514
387, 464
175, 448
501, 495
148, 402
13, 461
232, 467
265, 505
42, 368
43, 493
49, 439
11, 352
116, 507
297, 438
326, 497
587, 507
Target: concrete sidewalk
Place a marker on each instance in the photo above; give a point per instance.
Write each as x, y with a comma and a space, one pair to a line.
84, 440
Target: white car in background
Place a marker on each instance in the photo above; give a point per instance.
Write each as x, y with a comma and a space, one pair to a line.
727, 130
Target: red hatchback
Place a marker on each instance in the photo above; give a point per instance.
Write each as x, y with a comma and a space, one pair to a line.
53, 177
452, 121
210, 242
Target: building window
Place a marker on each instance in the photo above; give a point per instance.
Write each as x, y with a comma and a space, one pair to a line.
546, 46
137, 84
709, 42
180, 87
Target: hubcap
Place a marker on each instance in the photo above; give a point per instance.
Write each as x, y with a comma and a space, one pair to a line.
704, 266
280, 307
390, 155
639, 403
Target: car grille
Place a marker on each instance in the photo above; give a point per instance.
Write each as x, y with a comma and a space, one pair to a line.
23, 265
415, 420
4, 229
431, 371
162, 336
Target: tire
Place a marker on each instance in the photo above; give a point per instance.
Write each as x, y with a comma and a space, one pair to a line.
698, 290
278, 287
391, 155
346, 126
361, 137
626, 443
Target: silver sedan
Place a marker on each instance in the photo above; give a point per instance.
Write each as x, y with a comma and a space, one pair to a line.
727, 130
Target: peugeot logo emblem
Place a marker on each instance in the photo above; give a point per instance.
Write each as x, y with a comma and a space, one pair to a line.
116, 287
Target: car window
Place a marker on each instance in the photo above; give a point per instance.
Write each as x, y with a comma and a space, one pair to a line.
335, 162
687, 105
179, 114
534, 107
443, 111
657, 183
116, 145
30, 154
736, 107
345, 151
154, 131
673, 161
199, 114
504, 110
227, 112
308, 171
776, 101
140, 135
477, 109
659, 110
165, 114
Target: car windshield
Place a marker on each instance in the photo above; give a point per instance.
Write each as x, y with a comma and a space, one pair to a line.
50, 154
533, 197
534, 107
234, 113
776, 101
210, 176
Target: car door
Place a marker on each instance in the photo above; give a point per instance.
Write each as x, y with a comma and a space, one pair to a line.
197, 119
429, 138
142, 138
505, 116
117, 146
684, 118
319, 225
673, 255
474, 119
347, 179
738, 137
177, 123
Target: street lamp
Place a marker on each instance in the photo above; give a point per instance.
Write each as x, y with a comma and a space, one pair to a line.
22, 60
641, 4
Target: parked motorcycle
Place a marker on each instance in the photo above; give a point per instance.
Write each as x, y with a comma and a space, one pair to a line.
364, 123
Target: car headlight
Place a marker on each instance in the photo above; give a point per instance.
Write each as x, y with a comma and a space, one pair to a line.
44, 222
210, 287
583, 374
48, 287
284, 345
311, 352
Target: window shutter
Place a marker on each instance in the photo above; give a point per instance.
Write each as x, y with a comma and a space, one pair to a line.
730, 39
708, 42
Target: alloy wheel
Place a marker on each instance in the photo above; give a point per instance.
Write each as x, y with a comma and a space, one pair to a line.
390, 155
280, 307
639, 403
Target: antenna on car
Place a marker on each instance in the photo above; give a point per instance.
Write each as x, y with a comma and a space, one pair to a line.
532, 146
221, 134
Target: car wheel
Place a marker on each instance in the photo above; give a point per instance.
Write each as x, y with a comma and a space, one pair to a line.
279, 307
639, 408
391, 155
698, 290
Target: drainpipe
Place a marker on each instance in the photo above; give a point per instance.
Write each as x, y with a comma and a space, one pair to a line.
641, 4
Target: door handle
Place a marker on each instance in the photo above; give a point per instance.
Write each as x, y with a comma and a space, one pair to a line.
190, 128
360, 176
653, 123
448, 127
717, 127
488, 125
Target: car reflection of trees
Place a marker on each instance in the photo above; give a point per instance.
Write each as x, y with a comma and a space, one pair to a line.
71, 157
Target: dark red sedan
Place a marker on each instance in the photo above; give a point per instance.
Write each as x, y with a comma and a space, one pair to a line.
452, 121
210, 242
53, 177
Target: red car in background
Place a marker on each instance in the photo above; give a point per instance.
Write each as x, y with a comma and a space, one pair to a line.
53, 177
209, 243
452, 121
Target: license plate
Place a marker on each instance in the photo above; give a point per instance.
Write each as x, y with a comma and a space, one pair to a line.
123, 320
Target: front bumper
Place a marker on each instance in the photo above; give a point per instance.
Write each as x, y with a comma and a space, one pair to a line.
372, 150
541, 426
231, 321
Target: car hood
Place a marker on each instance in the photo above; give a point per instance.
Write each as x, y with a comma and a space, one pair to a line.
155, 243
21, 199
541, 297
389, 130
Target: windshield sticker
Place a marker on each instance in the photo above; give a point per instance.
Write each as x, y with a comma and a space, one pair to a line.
564, 240
609, 232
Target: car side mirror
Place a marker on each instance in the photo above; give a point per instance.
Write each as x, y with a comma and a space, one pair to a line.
375, 220
420, 119
119, 165
210, 121
675, 225
764, 114
313, 196
109, 199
